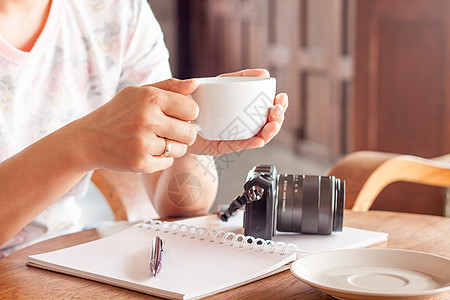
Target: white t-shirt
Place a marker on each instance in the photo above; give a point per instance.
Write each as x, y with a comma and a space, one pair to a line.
86, 53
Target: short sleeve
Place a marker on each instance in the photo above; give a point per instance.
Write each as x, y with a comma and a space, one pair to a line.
146, 58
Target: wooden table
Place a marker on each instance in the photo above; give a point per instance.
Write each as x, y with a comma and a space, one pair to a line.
406, 231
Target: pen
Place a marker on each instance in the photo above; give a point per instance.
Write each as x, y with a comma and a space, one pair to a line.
157, 248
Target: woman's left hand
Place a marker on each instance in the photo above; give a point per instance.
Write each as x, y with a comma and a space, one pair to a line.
271, 128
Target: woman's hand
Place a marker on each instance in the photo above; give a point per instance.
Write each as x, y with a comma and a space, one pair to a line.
271, 128
128, 133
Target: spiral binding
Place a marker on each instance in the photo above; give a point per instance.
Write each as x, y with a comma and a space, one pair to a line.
221, 237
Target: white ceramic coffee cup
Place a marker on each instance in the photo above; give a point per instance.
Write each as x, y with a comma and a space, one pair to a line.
233, 108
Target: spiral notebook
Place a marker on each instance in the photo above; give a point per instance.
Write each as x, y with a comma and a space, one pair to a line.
306, 243
196, 261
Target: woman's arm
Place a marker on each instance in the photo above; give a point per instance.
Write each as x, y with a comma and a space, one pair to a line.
125, 134
38, 176
187, 188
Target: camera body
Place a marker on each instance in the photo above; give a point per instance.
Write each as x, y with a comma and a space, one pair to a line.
291, 203
259, 219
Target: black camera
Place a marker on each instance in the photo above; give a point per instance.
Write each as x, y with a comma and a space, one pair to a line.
289, 203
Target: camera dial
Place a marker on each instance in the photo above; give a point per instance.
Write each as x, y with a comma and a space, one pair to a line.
255, 193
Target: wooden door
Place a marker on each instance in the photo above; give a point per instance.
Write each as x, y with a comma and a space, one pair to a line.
402, 89
310, 51
321, 73
402, 77
227, 35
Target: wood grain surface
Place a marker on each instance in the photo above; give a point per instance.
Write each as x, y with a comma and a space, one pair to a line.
406, 231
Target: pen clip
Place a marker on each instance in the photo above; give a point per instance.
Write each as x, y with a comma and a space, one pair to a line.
157, 248
162, 243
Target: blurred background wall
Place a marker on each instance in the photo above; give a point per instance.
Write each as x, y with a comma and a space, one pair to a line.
360, 75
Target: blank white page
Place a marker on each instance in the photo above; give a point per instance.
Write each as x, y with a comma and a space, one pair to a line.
191, 267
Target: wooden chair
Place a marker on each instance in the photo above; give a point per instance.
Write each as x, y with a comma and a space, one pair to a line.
368, 173
125, 194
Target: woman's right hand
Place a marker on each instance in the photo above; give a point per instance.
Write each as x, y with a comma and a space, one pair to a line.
128, 132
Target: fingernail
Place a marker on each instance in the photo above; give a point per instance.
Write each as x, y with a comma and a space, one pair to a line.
256, 72
192, 134
284, 99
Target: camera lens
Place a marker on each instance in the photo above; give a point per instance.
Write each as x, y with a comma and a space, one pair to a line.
310, 204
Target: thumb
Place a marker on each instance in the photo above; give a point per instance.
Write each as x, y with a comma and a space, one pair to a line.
184, 87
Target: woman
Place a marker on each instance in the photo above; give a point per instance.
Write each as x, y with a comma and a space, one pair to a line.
60, 63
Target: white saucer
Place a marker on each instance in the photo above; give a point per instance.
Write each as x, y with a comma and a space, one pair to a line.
375, 273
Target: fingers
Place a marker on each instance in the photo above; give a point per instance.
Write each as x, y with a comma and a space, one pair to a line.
177, 108
283, 100
216, 148
235, 146
175, 129
184, 87
129, 130
269, 131
170, 96
156, 154
162, 147
276, 114
249, 72
275, 118
155, 165
164, 115
176, 105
